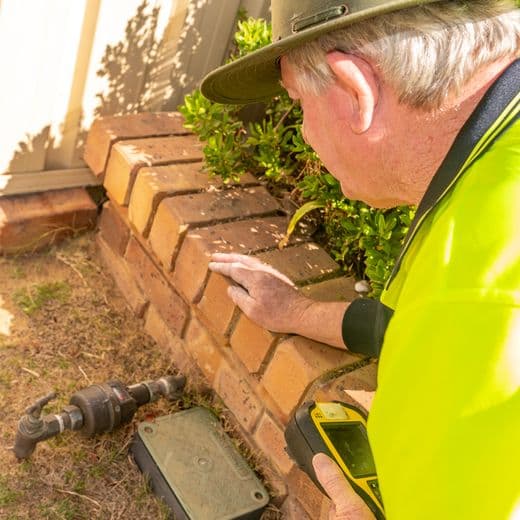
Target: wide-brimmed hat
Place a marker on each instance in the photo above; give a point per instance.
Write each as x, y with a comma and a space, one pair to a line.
256, 77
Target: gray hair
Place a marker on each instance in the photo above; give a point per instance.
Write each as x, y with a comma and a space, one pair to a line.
425, 53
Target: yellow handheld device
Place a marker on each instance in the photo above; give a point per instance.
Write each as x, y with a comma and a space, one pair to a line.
338, 430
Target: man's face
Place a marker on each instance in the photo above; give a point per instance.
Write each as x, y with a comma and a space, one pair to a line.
355, 159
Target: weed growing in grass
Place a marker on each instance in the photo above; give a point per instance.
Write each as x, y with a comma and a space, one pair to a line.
32, 299
80, 486
98, 470
7, 494
18, 273
64, 509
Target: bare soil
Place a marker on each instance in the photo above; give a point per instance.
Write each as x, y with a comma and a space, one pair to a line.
64, 326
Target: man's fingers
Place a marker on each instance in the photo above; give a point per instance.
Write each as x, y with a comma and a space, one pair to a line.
331, 477
247, 274
238, 272
250, 262
230, 258
226, 266
348, 504
241, 298
221, 267
277, 274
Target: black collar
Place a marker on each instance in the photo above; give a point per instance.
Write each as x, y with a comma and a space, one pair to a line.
475, 137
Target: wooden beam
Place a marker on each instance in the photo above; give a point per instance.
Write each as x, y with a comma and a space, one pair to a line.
201, 44
63, 156
35, 182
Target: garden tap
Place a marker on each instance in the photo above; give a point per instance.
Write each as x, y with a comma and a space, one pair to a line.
95, 409
33, 428
35, 410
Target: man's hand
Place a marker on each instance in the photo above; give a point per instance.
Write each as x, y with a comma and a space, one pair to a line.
347, 504
266, 296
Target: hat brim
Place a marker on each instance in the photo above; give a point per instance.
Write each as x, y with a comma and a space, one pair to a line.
256, 77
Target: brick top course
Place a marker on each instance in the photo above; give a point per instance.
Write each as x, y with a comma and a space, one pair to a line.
106, 131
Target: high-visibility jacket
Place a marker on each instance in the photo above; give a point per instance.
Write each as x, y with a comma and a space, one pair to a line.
445, 423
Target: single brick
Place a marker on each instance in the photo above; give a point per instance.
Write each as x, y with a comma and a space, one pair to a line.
207, 354
172, 345
114, 227
123, 278
216, 306
128, 157
160, 293
357, 387
296, 363
301, 263
237, 393
269, 437
106, 131
178, 214
165, 235
269, 403
154, 184
30, 222
244, 237
337, 289
313, 501
252, 343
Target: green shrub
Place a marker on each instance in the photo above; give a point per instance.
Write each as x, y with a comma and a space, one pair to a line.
364, 240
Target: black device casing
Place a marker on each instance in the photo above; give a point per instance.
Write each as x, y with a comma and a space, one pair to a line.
304, 441
302, 447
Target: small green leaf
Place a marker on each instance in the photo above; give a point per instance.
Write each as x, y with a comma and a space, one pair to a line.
300, 213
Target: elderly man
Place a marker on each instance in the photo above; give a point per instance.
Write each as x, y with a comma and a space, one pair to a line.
412, 102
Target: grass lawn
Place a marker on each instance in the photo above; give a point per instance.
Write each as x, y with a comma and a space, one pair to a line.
64, 326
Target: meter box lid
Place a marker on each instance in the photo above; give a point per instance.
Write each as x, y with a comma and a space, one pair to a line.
206, 475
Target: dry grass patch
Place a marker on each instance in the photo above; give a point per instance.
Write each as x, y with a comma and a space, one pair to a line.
69, 328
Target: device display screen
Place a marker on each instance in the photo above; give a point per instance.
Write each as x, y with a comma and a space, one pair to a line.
351, 442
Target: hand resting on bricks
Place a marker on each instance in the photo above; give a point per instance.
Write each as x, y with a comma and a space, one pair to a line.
270, 299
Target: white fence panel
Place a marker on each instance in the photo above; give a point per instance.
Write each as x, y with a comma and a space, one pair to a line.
50, 56
65, 62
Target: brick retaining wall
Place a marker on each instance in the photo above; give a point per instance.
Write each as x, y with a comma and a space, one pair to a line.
156, 234
34, 221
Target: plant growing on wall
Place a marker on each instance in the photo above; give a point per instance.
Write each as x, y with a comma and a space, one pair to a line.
364, 240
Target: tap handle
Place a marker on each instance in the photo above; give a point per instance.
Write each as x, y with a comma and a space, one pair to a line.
35, 410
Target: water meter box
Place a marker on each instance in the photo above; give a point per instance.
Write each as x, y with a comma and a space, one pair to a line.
194, 467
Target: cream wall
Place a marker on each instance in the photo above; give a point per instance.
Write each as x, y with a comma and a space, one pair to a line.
37, 58
51, 51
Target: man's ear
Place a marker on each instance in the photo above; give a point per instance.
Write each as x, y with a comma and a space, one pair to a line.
358, 78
